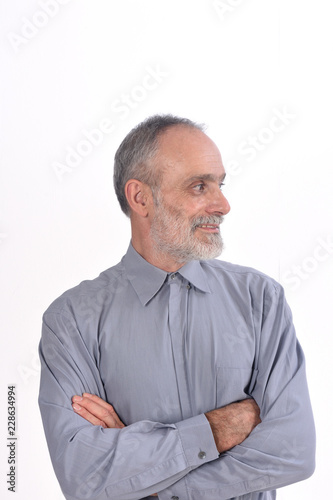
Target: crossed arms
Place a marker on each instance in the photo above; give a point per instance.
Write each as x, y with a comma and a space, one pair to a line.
110, 460
230, 425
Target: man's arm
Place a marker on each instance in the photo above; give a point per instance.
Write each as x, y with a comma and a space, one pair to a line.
230, 425
233, 423
281, 450
124, 463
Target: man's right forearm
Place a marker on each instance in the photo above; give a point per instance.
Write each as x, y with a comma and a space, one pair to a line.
233, 423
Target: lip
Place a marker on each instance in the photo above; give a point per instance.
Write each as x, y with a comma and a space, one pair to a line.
209, 228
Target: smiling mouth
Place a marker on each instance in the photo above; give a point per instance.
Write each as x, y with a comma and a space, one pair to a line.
211, 228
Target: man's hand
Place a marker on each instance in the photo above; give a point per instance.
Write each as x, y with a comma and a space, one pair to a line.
233, 423
230, 425
96, 411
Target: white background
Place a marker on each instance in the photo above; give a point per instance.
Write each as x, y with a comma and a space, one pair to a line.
64, 72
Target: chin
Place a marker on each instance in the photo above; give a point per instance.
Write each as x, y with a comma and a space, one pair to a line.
206, 250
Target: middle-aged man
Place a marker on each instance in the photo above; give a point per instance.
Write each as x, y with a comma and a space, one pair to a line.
197, 357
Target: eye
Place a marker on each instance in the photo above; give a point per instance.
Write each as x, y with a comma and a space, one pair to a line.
221, 185
199, 187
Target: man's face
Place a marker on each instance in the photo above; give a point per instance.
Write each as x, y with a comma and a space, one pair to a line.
189, 205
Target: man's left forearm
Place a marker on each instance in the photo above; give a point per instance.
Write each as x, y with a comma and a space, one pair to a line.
278, 452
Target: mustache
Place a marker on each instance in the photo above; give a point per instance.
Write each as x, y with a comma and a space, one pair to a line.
211, 219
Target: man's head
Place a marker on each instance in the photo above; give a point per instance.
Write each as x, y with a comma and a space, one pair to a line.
135, 156
168, 176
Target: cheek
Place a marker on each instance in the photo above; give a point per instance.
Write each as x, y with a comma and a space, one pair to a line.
186, 206
190, 201
195, 207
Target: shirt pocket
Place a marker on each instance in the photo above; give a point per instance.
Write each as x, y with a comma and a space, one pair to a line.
234, 384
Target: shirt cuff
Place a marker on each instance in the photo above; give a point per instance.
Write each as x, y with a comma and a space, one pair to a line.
199, 448
177, 491
197, 440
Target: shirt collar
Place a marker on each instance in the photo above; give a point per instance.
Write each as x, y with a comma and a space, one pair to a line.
147, 279
194, 273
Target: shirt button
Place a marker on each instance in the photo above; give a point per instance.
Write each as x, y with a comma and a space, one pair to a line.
174, 498
172, 276
188, 287
202, 454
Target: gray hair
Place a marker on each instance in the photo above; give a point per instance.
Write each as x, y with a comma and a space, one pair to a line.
139, 146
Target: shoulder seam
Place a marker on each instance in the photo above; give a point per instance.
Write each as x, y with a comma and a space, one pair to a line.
245, 270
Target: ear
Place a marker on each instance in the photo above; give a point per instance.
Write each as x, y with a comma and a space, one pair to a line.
138, 196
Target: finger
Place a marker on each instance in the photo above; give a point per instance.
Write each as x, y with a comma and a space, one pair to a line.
105, 405
94, 410
79, 410
98, 400
94, 415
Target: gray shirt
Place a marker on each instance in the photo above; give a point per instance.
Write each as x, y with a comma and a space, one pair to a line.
164, 349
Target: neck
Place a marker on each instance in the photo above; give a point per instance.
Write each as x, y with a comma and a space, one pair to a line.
143, 244
157, 259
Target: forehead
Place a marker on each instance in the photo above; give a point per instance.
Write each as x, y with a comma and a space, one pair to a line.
186, 153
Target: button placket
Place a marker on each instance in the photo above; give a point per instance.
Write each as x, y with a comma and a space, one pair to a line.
178, 325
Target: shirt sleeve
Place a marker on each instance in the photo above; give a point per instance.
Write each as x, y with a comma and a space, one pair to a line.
96, 463
281, 449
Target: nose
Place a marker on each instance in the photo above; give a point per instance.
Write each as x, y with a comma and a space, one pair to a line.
218, 204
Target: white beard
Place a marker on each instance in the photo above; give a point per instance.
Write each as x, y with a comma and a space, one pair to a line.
174, 235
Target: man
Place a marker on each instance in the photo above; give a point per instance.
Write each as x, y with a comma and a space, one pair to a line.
154, 374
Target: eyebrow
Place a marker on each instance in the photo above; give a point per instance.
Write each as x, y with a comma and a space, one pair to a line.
206, 177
